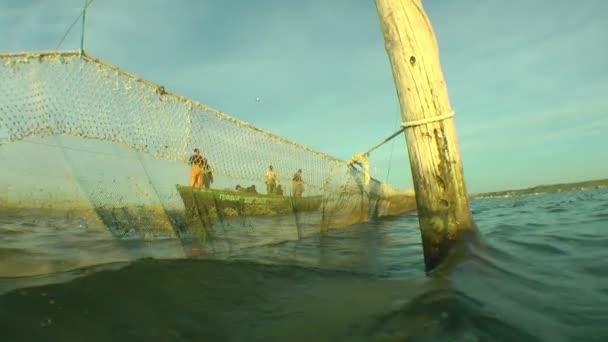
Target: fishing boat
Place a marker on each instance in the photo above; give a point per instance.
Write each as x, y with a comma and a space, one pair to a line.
212, 203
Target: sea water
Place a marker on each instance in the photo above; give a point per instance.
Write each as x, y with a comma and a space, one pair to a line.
541, 274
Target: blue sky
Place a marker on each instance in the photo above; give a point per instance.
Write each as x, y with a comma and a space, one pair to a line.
527, 79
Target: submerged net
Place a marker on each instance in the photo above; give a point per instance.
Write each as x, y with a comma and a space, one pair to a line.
84, 140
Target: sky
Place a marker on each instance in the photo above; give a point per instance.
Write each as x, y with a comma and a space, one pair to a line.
527, 79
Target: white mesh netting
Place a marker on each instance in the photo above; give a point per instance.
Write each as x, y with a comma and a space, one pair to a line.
80, 138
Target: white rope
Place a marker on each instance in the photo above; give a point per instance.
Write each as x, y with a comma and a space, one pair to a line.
362, 158
408, 124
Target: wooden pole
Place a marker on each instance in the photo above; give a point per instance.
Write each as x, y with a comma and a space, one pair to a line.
443, 206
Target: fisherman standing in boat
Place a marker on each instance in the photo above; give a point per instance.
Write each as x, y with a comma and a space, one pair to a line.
298, 184
270, 180
197, 162
207, 174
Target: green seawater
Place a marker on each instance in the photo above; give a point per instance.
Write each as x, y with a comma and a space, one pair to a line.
541, 274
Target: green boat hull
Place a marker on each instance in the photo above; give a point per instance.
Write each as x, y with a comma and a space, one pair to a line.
224, 203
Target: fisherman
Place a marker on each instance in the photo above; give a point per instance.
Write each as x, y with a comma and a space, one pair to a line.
298, 184
270, 180
207, 174
197, 162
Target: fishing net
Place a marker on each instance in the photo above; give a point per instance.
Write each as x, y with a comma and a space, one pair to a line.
82, 139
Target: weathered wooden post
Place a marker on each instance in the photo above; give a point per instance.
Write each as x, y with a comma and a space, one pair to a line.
443, 206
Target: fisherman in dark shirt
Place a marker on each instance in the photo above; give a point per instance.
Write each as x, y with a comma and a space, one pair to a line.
197, 163
207, 174
298, 184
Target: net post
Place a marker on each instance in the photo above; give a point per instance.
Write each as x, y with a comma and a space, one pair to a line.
443, 206
82, 31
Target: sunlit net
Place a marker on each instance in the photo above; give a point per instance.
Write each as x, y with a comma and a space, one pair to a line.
82, 138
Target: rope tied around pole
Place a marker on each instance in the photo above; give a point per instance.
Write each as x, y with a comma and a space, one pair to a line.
414, 123
362, 158
409, 124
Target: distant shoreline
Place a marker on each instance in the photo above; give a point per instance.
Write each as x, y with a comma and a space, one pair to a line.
540, 189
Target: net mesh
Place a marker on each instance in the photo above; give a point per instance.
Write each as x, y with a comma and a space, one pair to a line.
82, 138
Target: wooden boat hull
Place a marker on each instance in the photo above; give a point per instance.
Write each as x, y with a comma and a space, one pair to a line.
224, 203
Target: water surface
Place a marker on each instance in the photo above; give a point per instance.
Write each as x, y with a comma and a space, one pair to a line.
541, 275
